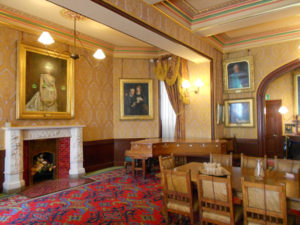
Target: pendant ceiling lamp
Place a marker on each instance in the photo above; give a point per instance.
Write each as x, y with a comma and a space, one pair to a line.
45, 38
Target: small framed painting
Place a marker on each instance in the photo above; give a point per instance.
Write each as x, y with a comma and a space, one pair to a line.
238, 75
297, 92
220, 114
45, 84
136, 99
239, 113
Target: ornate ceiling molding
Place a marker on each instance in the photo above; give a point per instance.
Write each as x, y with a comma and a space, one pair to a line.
31, 24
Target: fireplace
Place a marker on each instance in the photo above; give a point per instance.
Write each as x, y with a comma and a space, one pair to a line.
40, 160
60, 146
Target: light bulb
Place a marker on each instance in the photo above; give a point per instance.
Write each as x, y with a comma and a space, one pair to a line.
99, 54
283, 110
198, 83
46, 38
186, 84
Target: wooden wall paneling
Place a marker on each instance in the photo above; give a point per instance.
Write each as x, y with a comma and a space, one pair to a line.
247, 146
98, 154
120, 146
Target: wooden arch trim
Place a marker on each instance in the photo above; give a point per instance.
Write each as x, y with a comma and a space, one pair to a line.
260, 95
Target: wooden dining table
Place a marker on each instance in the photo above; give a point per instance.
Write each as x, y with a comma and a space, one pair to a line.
270, 177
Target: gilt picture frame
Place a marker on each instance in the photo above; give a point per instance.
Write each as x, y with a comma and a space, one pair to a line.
220, 114
45, 84
296, 107
136, 99
239, 113
238, 75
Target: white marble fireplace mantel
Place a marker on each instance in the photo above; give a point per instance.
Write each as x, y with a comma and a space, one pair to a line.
14, 137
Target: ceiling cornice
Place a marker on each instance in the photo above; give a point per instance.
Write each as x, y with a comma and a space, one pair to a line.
34, 25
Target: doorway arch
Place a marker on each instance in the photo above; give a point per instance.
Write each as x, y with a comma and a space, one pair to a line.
260, 97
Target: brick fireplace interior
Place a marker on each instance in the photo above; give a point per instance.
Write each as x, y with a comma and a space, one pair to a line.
46, 159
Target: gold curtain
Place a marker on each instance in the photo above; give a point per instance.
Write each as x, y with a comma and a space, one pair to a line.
173, 72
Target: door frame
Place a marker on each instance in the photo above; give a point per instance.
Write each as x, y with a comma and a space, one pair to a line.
260, 98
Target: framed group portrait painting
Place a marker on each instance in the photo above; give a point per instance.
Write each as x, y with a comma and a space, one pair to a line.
136, 99
239, 113
238, 75
45, 84
296, 107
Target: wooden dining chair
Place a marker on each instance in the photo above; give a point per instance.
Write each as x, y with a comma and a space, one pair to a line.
264, 203
251, 162
216, 202
286, 165
177, 194
166, 162
223, 159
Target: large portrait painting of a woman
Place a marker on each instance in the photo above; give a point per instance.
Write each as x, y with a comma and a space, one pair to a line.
45, 84
136, 101
238, 75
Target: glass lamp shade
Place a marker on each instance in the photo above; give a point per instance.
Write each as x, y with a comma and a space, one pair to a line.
99, 54
186, 84
283, 110
198, 83
46, 38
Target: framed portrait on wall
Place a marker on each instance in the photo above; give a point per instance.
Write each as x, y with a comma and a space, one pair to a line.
239, 113
296, 92
45, 84
220, 114
238, 75
136, 99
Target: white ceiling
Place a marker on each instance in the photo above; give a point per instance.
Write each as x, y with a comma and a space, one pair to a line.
51, 12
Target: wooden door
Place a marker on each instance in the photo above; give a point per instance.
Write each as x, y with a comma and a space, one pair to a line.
273, 134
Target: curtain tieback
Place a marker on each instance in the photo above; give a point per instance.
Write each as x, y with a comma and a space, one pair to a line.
179, 114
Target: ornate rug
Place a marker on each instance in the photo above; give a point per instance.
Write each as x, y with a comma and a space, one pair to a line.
113, 198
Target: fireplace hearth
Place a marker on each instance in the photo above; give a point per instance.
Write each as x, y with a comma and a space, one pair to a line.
68, 158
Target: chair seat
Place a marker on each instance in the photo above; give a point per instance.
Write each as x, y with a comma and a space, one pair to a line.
238, 213
127, 159
181, 206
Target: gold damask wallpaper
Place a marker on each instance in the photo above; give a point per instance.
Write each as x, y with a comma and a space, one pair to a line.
283, 89
198, 113
148, 14
266, 59
134, 68
93, 88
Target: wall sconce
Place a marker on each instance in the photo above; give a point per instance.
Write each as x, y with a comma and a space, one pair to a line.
283, 110
186, 85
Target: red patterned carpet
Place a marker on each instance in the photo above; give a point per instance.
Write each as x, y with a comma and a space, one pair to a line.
113, 198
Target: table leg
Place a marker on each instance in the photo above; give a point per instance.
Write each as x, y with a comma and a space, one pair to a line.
133, 166
144, 167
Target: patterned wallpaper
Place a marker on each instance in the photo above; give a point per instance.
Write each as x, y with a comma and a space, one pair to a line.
148, 14
266, 60
133, 68
93, 88
286, 94
198, 113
